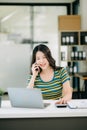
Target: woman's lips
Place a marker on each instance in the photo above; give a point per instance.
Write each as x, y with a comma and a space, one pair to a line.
42, 65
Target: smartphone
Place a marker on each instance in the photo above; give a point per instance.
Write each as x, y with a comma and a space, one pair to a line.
61, 105
38, 69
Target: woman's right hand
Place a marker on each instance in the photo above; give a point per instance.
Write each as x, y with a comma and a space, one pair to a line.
35, 69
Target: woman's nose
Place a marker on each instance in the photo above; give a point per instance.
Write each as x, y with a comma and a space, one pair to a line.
41, 60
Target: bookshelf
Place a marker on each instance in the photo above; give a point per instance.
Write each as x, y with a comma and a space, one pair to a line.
73, 53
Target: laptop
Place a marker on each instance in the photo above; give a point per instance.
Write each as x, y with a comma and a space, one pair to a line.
78, 104
26, 98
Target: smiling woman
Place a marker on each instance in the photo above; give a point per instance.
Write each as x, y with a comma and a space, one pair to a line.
51, 79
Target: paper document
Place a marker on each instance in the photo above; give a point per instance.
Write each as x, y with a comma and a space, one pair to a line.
78, 104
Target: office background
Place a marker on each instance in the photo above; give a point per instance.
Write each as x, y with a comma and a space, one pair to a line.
23, 25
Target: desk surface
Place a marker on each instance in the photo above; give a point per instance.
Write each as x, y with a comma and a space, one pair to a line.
82, 75
6, 111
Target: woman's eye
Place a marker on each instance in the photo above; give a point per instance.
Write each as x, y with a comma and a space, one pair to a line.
38, 59
44, 57
41, 58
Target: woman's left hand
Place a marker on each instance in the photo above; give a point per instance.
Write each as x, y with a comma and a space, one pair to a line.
66, 93
63, 100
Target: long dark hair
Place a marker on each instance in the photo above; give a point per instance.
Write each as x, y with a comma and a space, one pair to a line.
43, 48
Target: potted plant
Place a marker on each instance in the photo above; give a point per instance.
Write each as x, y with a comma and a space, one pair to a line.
1, 93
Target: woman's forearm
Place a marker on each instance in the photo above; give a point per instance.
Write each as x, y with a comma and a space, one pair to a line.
68, 93
31, 83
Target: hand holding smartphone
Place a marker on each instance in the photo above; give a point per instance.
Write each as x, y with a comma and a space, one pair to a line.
37, 67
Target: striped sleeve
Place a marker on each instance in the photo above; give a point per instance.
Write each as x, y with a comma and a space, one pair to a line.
29, 78
64, 75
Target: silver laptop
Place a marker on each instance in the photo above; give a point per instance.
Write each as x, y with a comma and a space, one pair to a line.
25, 97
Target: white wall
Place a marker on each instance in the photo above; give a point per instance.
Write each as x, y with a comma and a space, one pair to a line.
52, 32
37, 1
83, 13
14, 65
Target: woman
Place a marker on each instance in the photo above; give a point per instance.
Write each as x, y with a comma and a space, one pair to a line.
52, 80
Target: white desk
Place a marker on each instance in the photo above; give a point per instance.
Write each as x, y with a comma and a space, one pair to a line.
50, 118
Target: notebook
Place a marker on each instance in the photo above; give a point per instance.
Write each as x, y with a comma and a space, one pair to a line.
26, 98
78, 104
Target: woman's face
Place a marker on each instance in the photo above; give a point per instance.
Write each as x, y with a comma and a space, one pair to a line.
41, 60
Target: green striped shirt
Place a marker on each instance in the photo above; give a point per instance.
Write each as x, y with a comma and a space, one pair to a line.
52, 89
